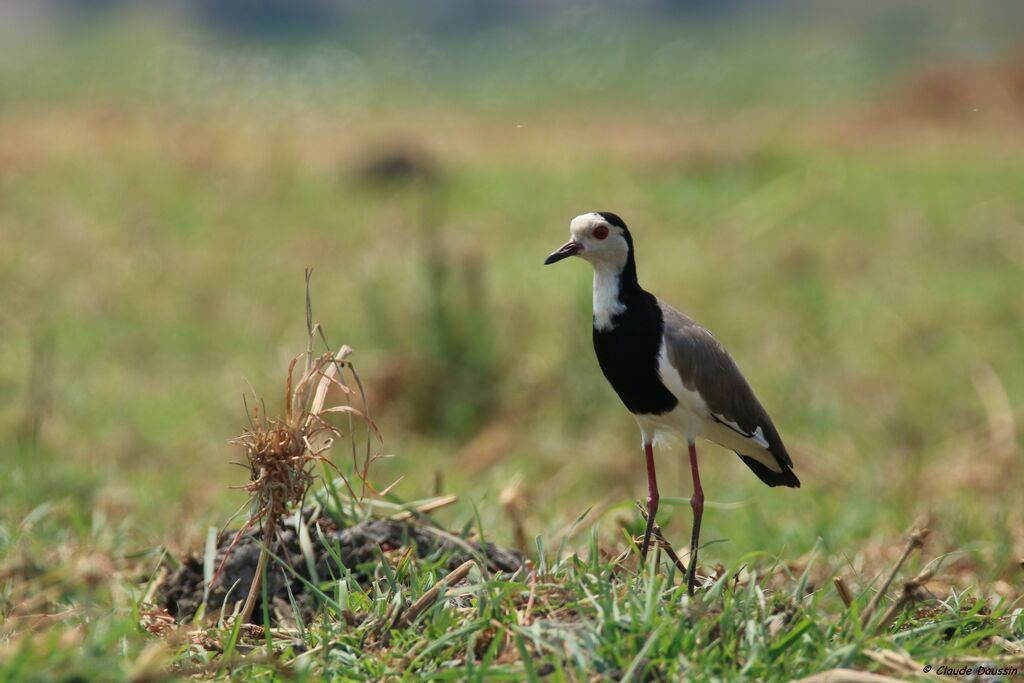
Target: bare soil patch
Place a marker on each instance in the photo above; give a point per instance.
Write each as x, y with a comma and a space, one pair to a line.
358, 547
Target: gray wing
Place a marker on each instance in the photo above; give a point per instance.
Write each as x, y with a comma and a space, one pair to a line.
706, 367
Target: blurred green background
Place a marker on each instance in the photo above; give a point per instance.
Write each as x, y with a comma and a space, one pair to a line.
836, 189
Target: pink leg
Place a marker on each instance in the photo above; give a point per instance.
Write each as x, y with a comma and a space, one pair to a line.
652, 499
697, 503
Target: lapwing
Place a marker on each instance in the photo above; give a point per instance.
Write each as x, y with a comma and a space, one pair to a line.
671, 373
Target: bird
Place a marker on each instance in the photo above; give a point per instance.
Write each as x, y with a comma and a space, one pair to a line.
671, 373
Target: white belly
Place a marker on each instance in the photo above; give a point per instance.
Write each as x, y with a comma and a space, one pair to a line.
681, 422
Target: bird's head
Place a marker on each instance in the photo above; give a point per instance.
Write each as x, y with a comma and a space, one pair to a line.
599, 237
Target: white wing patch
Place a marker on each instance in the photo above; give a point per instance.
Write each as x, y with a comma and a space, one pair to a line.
757, 437
688, 399
691, 413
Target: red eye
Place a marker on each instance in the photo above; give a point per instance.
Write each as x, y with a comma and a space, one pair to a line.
600, 232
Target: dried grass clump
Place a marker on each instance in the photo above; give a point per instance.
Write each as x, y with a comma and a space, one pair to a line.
281, 466
282, 453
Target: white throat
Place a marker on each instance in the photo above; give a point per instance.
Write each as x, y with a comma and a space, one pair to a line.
606, 295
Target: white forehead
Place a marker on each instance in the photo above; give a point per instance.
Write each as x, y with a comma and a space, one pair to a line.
584, 222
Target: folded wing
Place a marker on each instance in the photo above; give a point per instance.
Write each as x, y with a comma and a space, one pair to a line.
737, 420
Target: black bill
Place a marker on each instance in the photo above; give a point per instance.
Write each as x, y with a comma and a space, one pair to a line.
570, 248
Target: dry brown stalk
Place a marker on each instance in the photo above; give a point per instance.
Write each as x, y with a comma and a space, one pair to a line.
429, 506
1009, 646
912, 590
843, 590
513, 500
662, 542
528, 614
428, 598
848, 676
915, 541
900, 664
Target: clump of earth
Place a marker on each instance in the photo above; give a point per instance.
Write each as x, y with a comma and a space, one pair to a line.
358, 547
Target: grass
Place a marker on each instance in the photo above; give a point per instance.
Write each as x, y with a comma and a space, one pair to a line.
571, 617
864, 271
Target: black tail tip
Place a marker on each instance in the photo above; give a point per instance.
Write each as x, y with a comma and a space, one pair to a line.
769, 476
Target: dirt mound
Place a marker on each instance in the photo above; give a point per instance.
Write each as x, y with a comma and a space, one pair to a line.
958, 93
356, 546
